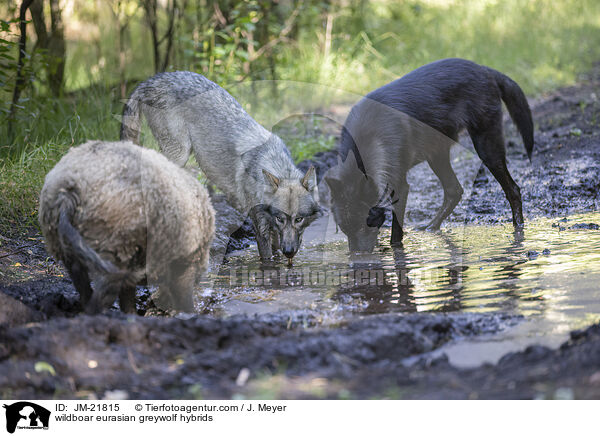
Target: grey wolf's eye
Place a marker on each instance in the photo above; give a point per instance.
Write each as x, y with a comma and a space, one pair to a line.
298, 220
279, 219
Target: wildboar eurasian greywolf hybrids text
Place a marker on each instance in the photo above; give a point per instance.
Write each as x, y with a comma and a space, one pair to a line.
414, 119
118, 213
188, 113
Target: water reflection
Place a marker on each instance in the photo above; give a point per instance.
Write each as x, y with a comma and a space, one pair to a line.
549, 271
389, 289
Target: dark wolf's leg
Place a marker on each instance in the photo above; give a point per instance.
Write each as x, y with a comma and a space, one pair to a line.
489, 145
81, 280
127, 299
399, 198
440, 164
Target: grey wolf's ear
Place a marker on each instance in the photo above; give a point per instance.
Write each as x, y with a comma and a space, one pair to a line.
335, 185
309, 181
274, 181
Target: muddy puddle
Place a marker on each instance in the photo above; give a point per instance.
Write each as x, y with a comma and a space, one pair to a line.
549, 275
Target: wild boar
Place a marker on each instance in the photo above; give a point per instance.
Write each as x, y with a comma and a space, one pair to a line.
118, 213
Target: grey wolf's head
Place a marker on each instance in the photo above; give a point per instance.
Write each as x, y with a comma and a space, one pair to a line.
292, 205
355, 205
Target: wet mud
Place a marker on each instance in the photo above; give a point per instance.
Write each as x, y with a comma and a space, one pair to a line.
174, 358
49, 350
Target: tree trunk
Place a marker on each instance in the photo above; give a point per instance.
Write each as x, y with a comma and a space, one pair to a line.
150, 7
37, 15
122, 59
56, 49
53, 42
20, 80
171, 12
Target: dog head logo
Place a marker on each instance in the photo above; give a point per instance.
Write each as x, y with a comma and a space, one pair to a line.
26, 415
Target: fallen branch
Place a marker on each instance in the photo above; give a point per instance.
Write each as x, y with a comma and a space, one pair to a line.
18, 250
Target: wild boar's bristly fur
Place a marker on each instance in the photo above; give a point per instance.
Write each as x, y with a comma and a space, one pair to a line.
116, 213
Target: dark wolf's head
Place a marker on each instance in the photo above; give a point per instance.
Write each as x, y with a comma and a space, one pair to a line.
293, 204
355, 205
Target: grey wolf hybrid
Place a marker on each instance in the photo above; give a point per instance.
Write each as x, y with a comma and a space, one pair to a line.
118, 213
188, 113
414, 119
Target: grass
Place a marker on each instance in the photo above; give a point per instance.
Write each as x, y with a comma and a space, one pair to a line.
304, 137
20, 183
47, 129
542, 44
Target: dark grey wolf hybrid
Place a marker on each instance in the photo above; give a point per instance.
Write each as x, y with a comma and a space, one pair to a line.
188, 113
414, 119
119, 213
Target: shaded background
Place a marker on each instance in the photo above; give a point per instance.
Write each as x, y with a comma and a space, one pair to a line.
82, 57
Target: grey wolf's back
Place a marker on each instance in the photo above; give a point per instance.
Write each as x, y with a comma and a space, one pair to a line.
165, 90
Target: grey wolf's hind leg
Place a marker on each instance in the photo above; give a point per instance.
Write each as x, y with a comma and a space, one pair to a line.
453, 191
172, 137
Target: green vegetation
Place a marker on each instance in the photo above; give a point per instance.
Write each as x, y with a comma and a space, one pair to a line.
352, 45
52, 127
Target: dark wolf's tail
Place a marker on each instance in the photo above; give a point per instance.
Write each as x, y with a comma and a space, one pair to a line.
75, 248
131, 122
518, 108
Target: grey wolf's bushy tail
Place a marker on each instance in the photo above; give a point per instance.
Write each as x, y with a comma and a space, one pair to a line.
75, 248
518, 108
131, 122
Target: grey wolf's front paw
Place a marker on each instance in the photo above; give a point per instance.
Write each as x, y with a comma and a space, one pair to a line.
432, 227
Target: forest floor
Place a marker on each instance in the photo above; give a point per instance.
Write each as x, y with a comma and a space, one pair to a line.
49, 350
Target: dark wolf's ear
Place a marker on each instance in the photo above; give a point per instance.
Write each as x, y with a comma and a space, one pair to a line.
274, 181
335, 185
309, 181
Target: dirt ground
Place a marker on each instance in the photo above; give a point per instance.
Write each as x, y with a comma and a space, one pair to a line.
49, 350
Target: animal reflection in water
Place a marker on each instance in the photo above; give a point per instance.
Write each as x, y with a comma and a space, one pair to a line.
394, 290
